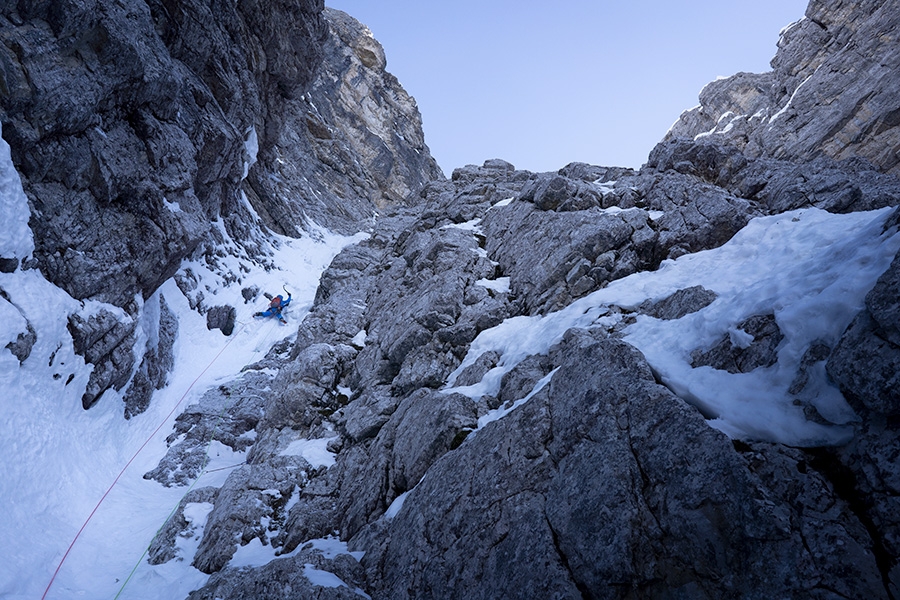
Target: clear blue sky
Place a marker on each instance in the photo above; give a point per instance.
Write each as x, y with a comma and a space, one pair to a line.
542, 84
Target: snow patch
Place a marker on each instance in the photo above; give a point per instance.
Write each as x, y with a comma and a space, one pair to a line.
499, 413
332, 547
812, 267
740, 338
314, 451
472, 226
173, 207
791, 99
251, 148
790, 26
500, 285
322, 578
396, 505
16, 239
605, 187
359, 340
246, 202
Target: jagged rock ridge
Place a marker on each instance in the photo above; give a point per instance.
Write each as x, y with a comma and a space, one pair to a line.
421, 291
832, 92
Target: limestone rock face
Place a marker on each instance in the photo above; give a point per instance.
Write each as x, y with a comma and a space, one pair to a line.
350, 146
608, 479
139, 127
151, 121
439, 501
832, 92
865, 364
153, 370
601, 482
358, 99
104, 339
597, 232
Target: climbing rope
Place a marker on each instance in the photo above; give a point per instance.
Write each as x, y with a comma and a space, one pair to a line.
203, 471
122, 472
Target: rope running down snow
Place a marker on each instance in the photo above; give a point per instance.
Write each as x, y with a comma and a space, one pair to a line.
203, 471
122, 472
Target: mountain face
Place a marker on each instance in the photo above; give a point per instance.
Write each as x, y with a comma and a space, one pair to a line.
147, 133
831, 92
523, 384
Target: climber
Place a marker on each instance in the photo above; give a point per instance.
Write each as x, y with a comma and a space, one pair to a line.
277, 304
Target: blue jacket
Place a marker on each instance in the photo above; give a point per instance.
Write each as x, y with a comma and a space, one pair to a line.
274, 310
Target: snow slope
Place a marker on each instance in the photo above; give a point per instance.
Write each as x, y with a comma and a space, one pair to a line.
59, 460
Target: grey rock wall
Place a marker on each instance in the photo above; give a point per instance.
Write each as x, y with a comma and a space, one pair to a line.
136, 125
609, 486
152, 120
529, 503
832, 92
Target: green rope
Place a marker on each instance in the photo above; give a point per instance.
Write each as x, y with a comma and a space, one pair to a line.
203, 471
188, 491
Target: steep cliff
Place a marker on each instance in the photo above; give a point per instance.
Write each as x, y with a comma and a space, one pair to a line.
832, 92
148, 132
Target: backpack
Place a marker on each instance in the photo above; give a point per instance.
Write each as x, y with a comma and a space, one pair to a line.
276, 302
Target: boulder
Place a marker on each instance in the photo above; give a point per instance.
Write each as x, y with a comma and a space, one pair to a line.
221, 318
105, 340
156, 364
753, 344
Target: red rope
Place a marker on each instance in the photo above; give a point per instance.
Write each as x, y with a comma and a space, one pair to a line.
116, 480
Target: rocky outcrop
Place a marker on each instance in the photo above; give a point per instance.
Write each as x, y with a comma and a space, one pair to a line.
752, 345
604, 230
393, 317
574, 472
865, 364
606, 481
779, 185
681, 303
105, 340
832, 92
153, 371
324, 577
351, 146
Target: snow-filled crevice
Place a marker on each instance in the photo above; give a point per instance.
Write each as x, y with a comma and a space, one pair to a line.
703, 409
